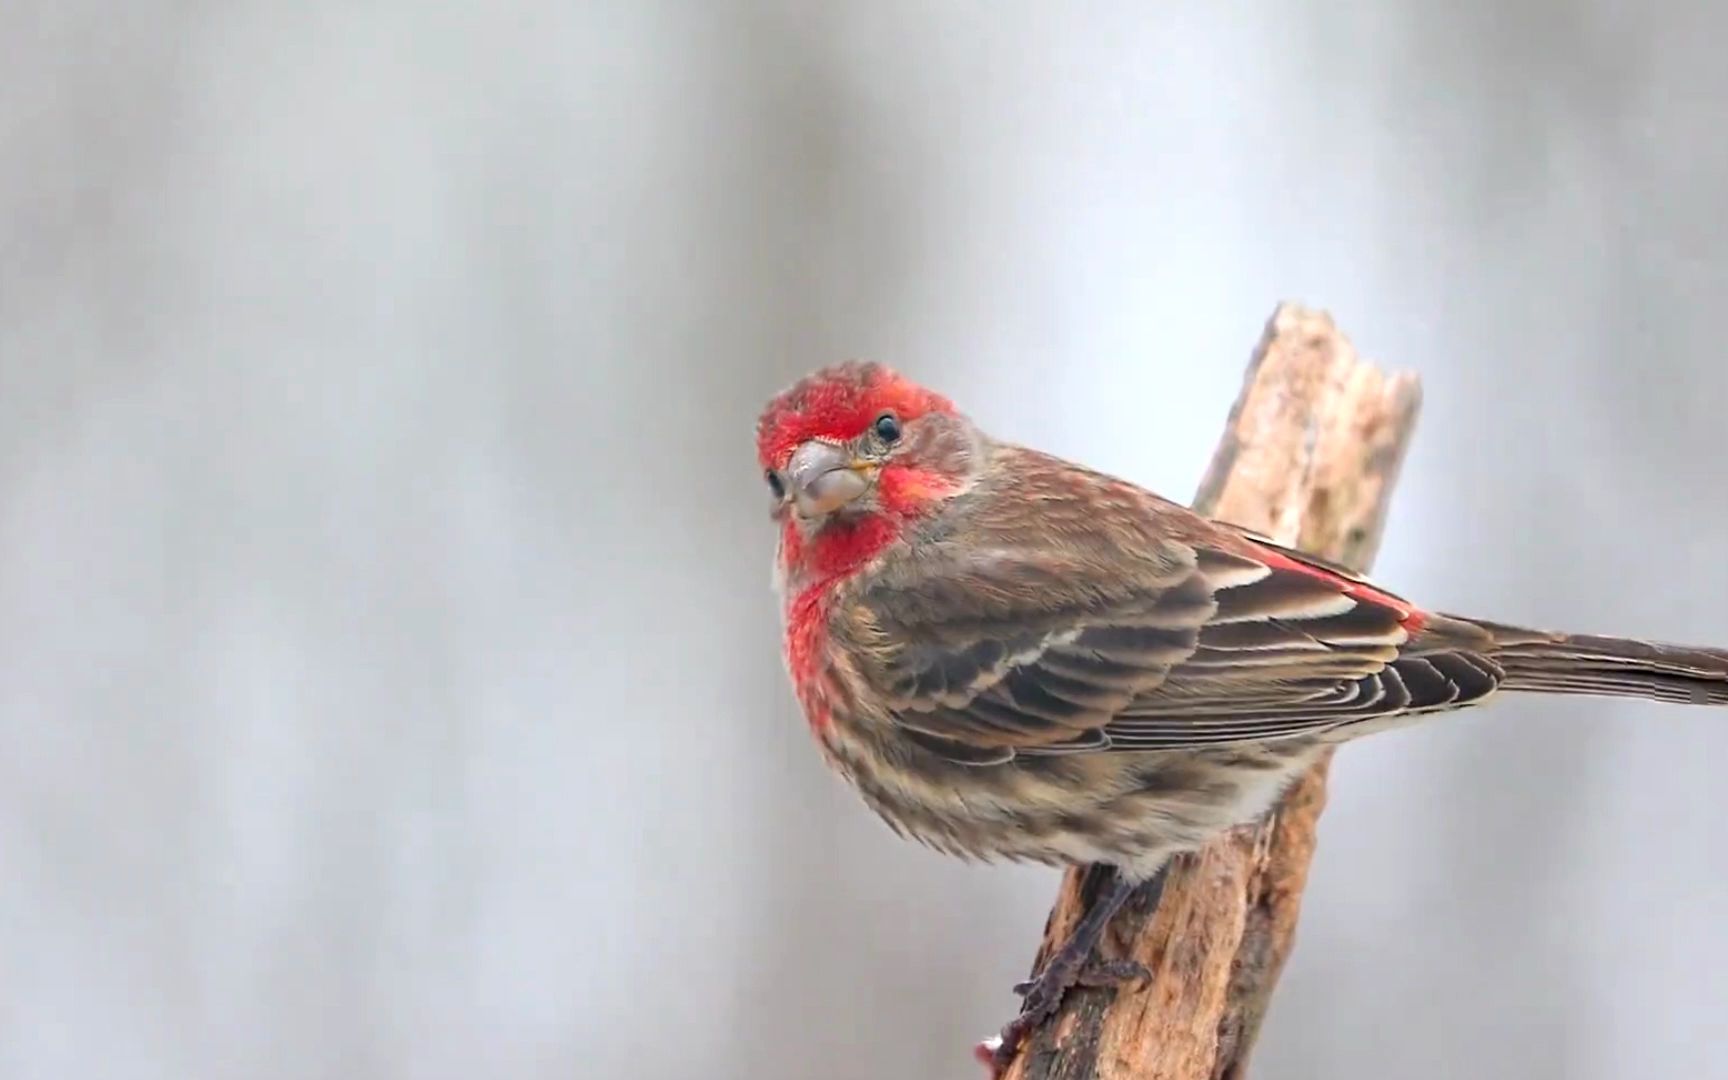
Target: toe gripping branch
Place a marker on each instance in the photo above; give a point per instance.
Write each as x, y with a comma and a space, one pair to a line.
1076, 963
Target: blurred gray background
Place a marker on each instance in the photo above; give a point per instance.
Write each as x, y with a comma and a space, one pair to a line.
389, 679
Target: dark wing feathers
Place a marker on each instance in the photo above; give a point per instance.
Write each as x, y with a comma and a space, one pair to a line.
1116, 619
1226, 644
1063, 692
950, 674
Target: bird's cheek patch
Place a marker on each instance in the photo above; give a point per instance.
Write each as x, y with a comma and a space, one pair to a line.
904, 488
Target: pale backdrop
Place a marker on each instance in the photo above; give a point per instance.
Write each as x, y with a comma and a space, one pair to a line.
388, 676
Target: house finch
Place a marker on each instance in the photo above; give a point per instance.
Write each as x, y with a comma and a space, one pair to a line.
1012, 656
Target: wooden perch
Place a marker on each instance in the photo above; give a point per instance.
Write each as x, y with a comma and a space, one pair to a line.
1309, 457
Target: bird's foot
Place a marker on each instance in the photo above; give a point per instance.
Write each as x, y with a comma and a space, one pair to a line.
998, 1051
1040, 997
1096, 972
1074, 964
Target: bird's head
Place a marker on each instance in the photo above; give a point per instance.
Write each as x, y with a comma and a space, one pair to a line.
851, 455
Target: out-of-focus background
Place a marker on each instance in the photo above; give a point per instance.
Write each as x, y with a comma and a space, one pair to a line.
389, 681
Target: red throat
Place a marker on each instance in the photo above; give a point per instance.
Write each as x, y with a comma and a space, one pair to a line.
838, 404
844, 546
815, 565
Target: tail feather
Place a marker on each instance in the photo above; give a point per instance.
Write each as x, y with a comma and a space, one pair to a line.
1538, 662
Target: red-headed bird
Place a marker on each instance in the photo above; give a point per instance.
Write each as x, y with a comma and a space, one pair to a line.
1012, 656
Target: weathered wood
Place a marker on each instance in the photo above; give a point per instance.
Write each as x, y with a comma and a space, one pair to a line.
1309, 457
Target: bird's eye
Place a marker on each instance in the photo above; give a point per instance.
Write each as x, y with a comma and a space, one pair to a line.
776, 485
888, 428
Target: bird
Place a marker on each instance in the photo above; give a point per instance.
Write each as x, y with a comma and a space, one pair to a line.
1011, 656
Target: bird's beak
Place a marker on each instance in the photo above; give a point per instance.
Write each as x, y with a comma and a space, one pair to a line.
824, 477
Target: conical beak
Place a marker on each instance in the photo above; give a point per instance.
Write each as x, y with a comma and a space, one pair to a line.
824, 478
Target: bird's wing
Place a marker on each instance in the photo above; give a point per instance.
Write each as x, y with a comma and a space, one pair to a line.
1307, 647
1196, 635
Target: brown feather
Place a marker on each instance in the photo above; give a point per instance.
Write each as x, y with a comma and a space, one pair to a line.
1055, 610
1053, 664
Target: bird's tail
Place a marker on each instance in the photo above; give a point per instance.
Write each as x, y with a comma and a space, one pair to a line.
1539, 662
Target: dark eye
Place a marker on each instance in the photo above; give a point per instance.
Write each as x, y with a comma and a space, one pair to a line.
776, 485
888, 428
